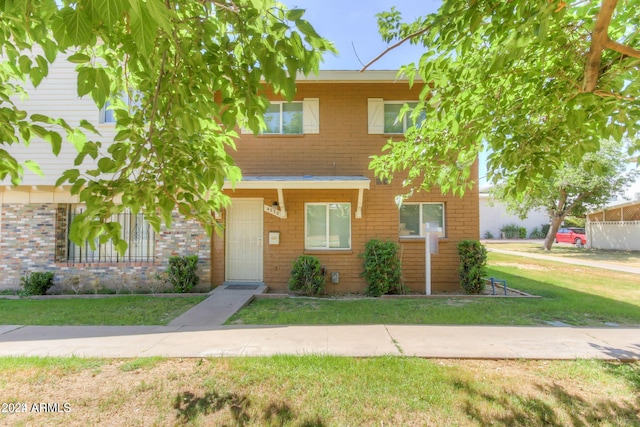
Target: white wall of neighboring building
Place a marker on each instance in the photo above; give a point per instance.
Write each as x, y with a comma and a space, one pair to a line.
494, 216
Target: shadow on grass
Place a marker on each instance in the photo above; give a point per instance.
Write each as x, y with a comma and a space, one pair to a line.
551, 405
189, 407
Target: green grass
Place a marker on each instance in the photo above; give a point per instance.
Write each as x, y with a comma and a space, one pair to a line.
574, 295
563, 250
324, 391
121, 310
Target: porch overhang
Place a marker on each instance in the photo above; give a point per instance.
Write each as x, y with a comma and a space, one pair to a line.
301, 182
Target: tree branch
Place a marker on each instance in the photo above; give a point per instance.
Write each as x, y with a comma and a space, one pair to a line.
599, 38
390, 48
623, 49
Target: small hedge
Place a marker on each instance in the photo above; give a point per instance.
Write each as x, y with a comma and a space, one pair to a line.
382, 269
473, 261
183, 273
36, 283
306, 276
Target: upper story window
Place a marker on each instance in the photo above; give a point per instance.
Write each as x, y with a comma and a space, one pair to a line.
291, 118
386, 117
413, 216
107, 114
283, 118
327, 226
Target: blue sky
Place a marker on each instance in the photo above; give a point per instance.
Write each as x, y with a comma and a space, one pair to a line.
353, 27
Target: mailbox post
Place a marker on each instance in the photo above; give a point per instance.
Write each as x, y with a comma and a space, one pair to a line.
431, 234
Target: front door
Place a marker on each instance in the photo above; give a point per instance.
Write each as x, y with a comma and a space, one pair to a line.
244, 234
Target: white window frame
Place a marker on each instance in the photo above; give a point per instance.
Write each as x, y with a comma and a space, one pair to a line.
281, 127
327, 247
421, 235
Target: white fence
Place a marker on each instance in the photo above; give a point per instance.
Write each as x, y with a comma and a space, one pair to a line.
617, 235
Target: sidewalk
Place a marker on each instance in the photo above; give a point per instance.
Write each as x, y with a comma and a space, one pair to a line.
200, 333
476, 342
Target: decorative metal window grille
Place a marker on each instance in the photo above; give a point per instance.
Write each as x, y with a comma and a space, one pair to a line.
137, 232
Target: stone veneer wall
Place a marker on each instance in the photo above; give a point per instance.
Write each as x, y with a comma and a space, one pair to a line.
32, 238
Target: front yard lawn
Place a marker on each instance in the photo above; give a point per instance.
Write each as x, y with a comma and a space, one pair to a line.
113, 311
574, 295
320, 391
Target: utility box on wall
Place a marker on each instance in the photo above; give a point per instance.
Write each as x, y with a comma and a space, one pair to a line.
274, 237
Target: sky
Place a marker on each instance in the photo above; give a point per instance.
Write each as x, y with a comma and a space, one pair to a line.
352, 26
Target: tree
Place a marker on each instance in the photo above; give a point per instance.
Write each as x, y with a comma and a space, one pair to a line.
573, 189
191, 71
536, 83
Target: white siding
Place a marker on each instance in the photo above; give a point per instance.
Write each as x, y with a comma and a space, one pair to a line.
494, 216
57, 97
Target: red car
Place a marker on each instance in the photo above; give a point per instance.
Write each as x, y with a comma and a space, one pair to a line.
572, 235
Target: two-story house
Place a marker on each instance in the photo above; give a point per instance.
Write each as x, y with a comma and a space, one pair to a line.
307, 189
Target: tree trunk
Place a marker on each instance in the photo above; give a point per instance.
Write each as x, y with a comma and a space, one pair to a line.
556, 220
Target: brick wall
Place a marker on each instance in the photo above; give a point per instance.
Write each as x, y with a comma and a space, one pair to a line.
343, 147
32, 238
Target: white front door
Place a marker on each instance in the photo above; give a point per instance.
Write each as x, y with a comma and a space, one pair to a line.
244, 246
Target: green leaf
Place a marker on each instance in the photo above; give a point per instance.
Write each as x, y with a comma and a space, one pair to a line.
295, 14
36, 75
33, 167
79, 58
86, 81
78, 27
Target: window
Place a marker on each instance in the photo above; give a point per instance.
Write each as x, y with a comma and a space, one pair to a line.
107, 114
413, 216
283, 118
290, 118
135, 231
395, 122
327, 226
385, 116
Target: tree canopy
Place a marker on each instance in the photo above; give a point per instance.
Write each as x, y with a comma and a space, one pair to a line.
537, 84
190, 72
573, 189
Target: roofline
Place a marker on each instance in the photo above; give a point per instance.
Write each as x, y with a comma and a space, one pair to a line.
616, 206
352, 76
266, 182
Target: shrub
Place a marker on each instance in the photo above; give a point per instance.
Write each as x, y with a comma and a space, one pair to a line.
306, 275
545, 229
382, 269
511, 231
182, 272
36, 283
522, 232
537, 233
473, 260
488, 235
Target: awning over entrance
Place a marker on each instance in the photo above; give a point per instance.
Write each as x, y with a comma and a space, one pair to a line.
302, 182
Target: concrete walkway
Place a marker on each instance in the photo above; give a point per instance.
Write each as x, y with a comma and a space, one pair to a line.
199, 333
584, 263
476, 342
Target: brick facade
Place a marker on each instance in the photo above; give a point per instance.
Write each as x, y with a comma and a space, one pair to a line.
33, 238
343, 147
